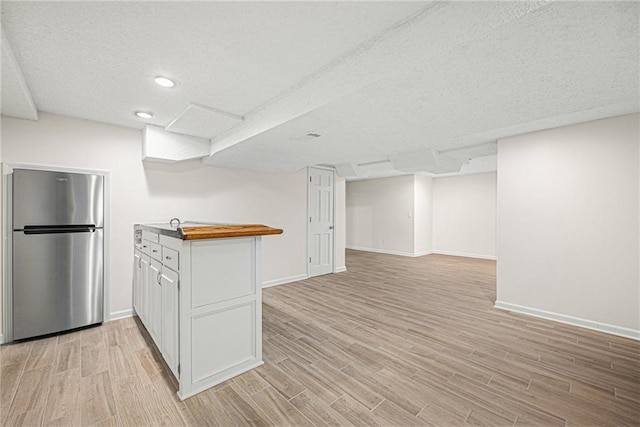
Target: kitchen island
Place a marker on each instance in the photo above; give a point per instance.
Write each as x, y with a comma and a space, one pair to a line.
197, 291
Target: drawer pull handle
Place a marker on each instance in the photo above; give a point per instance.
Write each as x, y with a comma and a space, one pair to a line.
154, 250
167, 257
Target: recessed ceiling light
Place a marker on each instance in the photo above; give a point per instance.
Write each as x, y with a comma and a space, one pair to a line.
144, 114
164, 81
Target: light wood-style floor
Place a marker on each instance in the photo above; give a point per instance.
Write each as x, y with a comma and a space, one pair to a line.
394, 341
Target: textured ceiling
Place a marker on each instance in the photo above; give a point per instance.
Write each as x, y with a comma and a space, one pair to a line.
96, 60
380, 81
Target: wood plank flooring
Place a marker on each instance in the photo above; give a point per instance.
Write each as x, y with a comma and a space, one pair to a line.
392, 342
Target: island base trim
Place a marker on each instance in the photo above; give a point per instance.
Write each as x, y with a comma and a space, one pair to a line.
206, 384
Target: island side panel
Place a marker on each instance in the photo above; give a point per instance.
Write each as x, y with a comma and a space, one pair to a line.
222, 270
221, 312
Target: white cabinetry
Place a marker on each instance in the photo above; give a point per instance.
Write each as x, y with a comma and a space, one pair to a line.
144, 285
201, 302
154, 315
156, 298
170, 314
137, 273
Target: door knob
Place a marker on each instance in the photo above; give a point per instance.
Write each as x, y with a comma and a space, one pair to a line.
331, 227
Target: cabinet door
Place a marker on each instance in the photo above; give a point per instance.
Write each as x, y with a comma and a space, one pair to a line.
170, 318
144, 290
155, 301
137, 286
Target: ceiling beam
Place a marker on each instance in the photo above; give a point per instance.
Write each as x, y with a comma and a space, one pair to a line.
390, 53
16, 96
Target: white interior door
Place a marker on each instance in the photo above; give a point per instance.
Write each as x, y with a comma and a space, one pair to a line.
320, 208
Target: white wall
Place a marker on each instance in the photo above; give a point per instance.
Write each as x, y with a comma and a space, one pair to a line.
423, 215
464, 215
568, 231
154, 194
454, 215
1, 244
380, 215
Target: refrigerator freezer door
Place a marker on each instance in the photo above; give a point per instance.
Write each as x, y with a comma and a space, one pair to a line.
57, 282
56, 198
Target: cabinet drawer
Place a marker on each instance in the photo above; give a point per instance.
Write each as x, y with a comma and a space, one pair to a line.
144, 247
156, 251
170, 258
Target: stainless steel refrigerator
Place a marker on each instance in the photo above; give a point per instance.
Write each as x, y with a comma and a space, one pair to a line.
57, 261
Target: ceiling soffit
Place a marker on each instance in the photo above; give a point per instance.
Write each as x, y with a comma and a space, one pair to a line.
201, 121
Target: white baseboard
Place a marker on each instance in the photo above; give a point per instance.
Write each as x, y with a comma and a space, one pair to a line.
465, 254
284, 280
117, 315
570, 320
421, 253
340, 269
388, 252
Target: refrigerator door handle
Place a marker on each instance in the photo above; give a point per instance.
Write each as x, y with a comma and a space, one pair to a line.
39, 229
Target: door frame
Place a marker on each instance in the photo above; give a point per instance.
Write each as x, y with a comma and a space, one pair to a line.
7, 230
333, 215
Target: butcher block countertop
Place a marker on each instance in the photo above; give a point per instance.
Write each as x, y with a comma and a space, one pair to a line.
220, 231
191, 230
